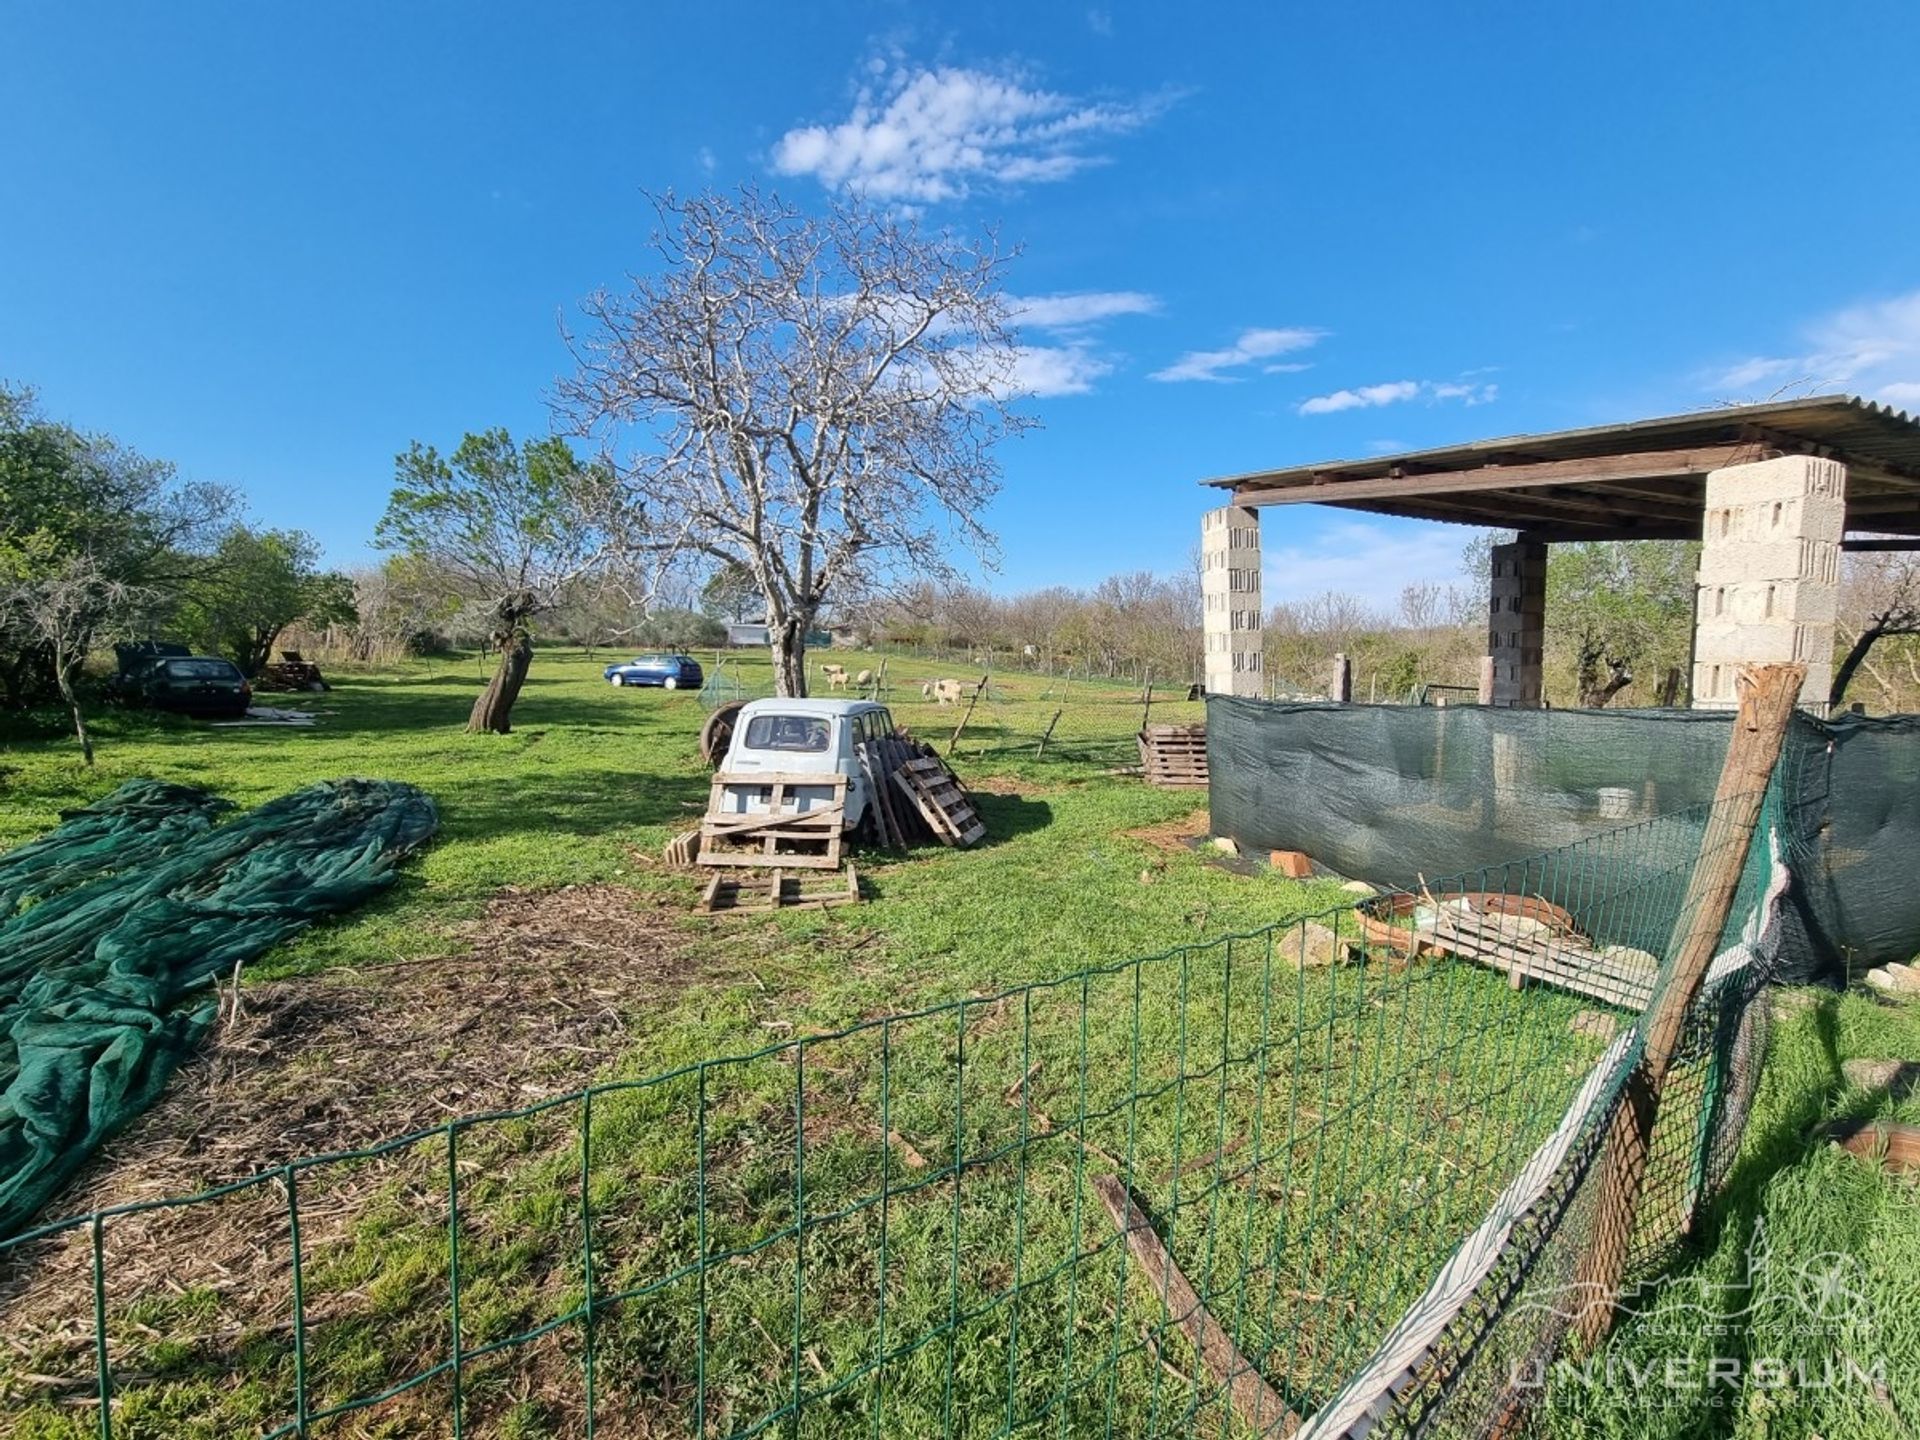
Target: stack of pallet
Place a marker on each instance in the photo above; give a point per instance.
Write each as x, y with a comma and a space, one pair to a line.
914, 796
775, 823
771, 839
1174, 756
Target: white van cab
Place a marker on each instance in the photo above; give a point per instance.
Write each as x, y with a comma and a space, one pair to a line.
803, 737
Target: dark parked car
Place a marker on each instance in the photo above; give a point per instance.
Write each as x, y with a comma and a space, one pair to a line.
194, 685
670, 672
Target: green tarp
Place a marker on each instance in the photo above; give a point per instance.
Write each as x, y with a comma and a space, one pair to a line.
111, 921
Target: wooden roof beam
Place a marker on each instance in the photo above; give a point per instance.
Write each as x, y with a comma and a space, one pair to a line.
1656, 465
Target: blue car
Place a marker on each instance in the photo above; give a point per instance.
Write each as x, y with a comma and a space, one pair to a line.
669, 672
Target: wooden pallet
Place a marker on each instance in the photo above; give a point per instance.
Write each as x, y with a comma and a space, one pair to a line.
1565, 962
684, 848
779, 832
741, 893
1174, 756
1524, 937
941, 801
890, 821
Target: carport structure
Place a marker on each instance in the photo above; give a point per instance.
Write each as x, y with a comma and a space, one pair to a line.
1774, 492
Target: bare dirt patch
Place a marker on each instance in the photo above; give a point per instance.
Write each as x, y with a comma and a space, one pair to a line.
538, 1001
1174, 835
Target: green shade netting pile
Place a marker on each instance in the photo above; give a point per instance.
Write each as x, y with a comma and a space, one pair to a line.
110, 921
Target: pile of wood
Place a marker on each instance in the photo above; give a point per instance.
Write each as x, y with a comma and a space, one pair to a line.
1524, 937
914, 796
784, 828
1174, 756
290, 672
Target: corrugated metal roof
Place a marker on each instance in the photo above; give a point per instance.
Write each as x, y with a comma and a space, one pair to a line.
1845, 427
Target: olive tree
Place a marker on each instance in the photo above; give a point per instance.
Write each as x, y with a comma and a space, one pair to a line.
512, 529
813, 398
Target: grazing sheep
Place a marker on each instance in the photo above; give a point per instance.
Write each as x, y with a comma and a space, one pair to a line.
944, 692
836, 676
863, 679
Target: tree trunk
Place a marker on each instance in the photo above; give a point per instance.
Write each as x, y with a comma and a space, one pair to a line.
789, 643
1856, 653
64, 679
493, 710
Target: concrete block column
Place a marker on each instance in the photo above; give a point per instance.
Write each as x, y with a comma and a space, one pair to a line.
1230, 601
1516, 622
1769, 579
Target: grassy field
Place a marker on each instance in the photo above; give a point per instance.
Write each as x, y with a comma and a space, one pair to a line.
952, 1271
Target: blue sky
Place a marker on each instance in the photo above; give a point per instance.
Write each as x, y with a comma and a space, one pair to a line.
277, 243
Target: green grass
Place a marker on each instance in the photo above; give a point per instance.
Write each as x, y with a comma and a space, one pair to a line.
1817, 1211
1384, 1107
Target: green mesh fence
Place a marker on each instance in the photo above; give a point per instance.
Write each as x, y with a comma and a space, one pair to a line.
896, 1229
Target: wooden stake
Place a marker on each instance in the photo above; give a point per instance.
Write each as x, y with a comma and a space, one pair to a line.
1041, 749
972, 700
1255, 1401
1767, 697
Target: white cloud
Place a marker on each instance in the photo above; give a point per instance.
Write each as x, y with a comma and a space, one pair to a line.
1872, 348
917, 136
1071, 312
1043, 370
1373, 560
705, 157
1396, 392
1101, 23
1257, 344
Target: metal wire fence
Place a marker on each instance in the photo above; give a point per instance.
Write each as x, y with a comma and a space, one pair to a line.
1009, 714
898, 1228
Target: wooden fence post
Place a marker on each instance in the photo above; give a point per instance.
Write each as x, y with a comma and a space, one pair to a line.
1340, 679
1485, 697
1767, 697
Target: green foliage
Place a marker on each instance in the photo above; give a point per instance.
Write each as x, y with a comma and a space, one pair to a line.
1626, 601
497, 516
74, 505
257, 583
679, 629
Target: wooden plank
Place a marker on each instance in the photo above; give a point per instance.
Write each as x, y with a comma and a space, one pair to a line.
1767, 697
1256, 1402
1656, 465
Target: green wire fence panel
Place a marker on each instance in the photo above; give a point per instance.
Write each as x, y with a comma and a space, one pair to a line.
896, 1229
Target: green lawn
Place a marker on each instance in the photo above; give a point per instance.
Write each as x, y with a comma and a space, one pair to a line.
1406, 1098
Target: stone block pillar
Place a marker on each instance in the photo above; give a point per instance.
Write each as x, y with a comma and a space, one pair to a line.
1230, 601
1516, 622
1769, 580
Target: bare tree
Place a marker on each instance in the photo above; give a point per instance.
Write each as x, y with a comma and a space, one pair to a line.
1884, 598
67, 611
813, 398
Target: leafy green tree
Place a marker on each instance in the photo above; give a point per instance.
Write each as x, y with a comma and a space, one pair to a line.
679, 629
1618, 609
80, 509
258, 583
511, 527
731, 593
